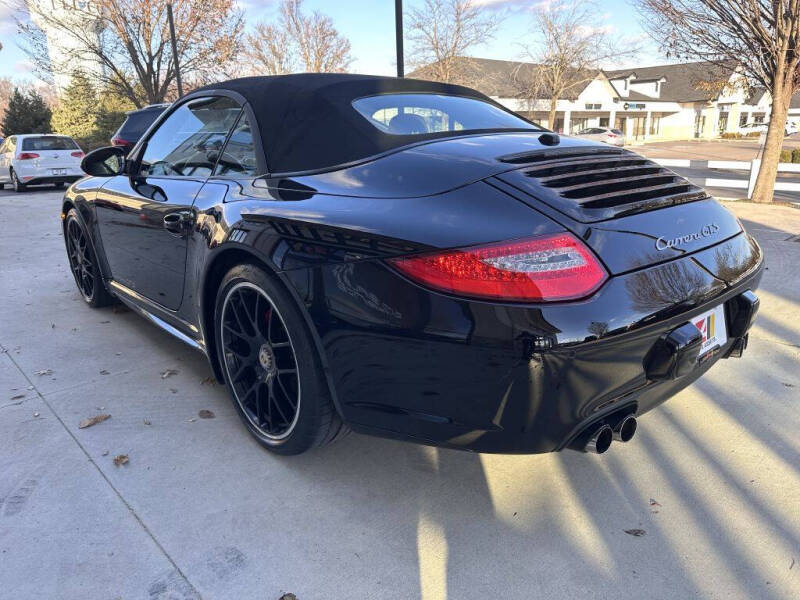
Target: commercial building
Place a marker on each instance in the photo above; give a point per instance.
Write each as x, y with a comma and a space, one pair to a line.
664, 102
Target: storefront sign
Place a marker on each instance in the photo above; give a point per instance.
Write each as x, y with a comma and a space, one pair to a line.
633, 106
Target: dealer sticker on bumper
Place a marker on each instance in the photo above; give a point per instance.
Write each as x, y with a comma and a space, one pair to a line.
711, 325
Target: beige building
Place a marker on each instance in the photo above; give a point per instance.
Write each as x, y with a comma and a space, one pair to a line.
665, 102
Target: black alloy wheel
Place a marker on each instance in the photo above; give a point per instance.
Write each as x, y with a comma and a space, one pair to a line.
260, 360
270, 364
83, 262
18, 185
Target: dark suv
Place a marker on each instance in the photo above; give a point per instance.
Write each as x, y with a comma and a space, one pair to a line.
135, 124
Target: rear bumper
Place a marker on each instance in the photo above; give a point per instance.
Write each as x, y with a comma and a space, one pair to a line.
412, 364
52, 179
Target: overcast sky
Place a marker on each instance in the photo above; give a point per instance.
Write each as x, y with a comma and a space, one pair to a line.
369, 25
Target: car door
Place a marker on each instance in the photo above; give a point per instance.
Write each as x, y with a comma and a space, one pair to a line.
145, 215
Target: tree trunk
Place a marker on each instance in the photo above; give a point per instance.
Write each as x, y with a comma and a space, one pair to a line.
765, 182
551, 119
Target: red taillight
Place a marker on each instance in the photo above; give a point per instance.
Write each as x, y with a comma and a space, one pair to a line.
77, 154
27, 155
543, 269
612, 135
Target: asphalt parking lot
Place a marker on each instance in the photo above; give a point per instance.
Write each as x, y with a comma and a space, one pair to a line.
705, 502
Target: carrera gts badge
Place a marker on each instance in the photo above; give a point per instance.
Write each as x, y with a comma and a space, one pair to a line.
705, 231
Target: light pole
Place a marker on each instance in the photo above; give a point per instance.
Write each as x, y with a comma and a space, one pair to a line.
398, 23
174, 49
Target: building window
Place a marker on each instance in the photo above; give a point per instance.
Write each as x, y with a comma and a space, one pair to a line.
603, 122
593, 106
743, 119
655, 125
577, 125
657, 83
625, 85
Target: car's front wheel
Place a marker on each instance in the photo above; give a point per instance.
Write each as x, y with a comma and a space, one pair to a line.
83, 263
271, 365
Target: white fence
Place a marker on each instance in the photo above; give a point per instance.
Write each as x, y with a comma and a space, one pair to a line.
733, 165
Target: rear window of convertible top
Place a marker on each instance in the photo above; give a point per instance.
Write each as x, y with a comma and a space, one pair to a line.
420, 114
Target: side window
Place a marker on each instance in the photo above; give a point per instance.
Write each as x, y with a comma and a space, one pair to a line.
189, 141
239, 156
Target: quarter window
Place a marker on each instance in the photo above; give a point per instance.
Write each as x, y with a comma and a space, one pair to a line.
190, 140
239, 156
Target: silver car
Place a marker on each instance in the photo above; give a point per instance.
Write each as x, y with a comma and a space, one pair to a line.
603, 134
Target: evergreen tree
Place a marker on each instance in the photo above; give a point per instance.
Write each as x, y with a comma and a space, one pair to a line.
76, 113
110, 115
26, 112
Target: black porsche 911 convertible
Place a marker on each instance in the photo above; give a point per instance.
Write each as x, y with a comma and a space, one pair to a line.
410, 259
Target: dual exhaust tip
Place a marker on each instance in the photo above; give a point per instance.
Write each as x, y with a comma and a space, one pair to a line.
599, 441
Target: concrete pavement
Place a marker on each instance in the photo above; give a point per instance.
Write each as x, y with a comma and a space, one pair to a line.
201, 511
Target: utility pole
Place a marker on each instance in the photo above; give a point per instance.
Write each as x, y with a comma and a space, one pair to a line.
398, 23
174, 49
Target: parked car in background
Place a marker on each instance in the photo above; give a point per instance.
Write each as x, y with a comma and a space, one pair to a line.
39, 159
603, 134
135, 124
752, 128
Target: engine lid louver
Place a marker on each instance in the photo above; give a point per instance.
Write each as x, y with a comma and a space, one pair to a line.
595, 184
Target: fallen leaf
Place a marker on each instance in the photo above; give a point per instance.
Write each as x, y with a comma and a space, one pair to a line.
35, 414
168, 373
635, 532
192, 420
18, 396
146, 422
120, 459
52, 325
206, 414
288, 596
791, 566
92, 421
173, 390
103, 372
104, 322
653, 502
209, 381
45, 372
788, 384
105, 453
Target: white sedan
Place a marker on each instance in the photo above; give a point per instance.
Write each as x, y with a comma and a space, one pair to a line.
37, 159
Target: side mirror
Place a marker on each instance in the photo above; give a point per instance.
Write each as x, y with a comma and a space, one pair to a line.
104, 162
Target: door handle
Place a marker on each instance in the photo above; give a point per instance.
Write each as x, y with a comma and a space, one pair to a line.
178, 221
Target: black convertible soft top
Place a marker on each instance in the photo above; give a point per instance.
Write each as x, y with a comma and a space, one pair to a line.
307, 121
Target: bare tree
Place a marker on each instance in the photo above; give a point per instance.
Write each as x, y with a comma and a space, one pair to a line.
568, 52
763, 36
128, 41
441, 34
298, 42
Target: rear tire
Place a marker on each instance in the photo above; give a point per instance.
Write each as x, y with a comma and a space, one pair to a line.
270, 364
18, 185
83, 263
